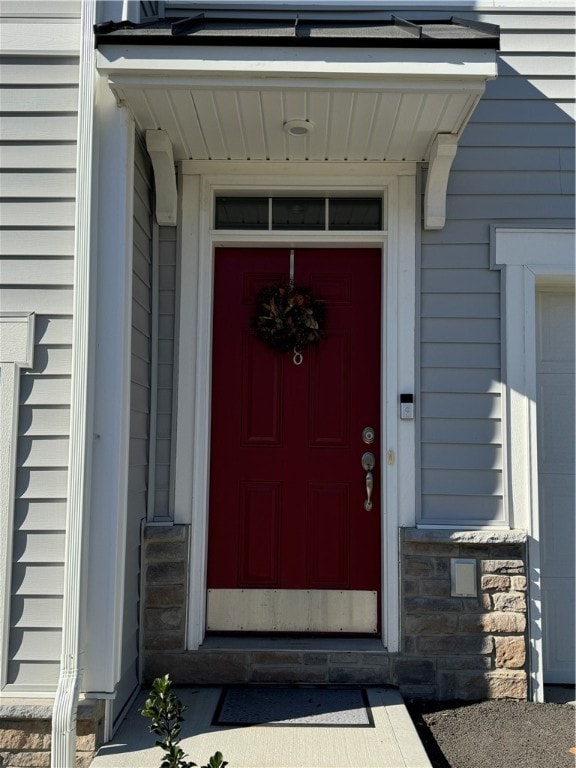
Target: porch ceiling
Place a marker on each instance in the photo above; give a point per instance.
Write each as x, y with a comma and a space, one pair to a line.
387, 119
372, 87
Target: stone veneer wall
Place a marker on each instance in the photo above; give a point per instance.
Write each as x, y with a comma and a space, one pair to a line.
165, 588
452, 647
25, 732
466, 647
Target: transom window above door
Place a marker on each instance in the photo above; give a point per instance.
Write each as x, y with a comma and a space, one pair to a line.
351, 214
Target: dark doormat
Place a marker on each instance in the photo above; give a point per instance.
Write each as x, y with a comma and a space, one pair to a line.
283, 706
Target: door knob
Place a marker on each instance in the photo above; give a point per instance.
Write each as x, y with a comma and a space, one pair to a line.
368, 461
368, 464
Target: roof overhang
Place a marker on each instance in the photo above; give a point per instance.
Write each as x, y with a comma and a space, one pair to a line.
361, 104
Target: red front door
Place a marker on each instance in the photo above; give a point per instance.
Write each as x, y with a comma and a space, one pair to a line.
290, 539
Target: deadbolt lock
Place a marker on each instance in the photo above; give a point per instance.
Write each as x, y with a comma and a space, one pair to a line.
368, 435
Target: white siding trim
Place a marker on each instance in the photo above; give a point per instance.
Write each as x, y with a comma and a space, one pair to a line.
112, 395
154, 335
186, 311
197, 243
405, 325
399, 327
528, 256
63, 748
16, 352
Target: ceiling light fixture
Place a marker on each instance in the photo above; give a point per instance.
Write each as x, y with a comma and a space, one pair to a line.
297, 127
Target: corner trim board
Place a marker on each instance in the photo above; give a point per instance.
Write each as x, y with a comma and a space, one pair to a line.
63, 749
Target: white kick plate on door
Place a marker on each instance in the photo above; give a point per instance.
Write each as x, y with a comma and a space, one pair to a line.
292, 610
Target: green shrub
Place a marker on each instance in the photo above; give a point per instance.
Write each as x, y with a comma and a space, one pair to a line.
165, 710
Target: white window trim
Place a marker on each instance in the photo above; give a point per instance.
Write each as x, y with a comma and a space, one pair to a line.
529, 258
197, 242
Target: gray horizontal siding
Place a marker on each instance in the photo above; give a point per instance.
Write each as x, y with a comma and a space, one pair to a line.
40, 507
38, 103
442, 429
459, 379
139, 423
60, 9
148, 9
44, 28
514, 167
166, 319
44, 515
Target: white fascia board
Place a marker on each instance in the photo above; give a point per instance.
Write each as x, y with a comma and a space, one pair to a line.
122, 84
128, 90
340, 63
398, 5
257, 173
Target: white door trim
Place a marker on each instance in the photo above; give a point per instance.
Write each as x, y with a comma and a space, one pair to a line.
197, 242
530, 257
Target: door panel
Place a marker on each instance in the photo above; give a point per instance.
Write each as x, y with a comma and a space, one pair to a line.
259, 537
556, 429
287, 487
330, 372
328, 535
262, 394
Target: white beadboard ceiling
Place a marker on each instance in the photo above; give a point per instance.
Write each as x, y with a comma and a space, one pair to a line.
370, 109
227, 124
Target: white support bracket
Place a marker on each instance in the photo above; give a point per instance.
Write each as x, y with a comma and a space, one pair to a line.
160, 150
441, 157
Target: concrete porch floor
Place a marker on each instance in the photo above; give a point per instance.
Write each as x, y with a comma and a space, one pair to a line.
391, 743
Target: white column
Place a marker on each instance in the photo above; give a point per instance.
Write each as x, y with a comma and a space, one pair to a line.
107, 532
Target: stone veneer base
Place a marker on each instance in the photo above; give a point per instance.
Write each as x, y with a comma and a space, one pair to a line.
451, 647
26, 726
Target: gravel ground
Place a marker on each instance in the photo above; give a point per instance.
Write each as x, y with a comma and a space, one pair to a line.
496, 734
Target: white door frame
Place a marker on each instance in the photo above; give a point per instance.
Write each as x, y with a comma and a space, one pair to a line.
199, 182
529, 258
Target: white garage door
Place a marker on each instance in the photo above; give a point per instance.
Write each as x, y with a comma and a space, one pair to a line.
556, 438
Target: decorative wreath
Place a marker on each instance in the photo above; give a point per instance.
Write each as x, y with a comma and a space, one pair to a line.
288, 317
